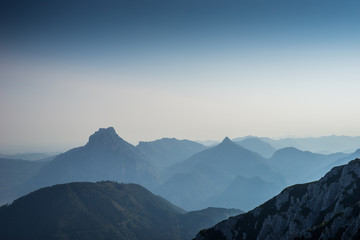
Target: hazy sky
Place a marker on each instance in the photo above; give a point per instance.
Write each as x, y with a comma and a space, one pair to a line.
185, 69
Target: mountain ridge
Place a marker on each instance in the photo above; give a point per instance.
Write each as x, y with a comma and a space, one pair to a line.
169, 151
208, 173
101, 210
326, 209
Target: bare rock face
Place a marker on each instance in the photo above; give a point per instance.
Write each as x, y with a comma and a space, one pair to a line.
325, 209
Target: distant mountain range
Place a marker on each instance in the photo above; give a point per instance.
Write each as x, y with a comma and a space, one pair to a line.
209, 173
296, 165
256, 145
30, 156
341, 161
325, 209
103, 210
168, 151
324, 145
230, 174
230, 159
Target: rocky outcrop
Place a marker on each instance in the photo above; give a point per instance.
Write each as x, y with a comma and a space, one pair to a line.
325, 209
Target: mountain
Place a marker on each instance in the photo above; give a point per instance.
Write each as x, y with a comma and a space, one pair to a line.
102, 210
208, 173
341, 161
29, 156
167, 151
230, 159
208, 143
325, 209
325, 145
296, 165
245, 192
106, 156
256, 145
344, 160
192, 190
14, 172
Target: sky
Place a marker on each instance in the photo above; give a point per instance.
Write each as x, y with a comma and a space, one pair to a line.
194, 70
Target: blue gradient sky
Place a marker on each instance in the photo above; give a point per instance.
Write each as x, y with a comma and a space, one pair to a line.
185, 69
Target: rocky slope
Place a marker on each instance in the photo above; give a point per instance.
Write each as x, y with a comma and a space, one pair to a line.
325, 209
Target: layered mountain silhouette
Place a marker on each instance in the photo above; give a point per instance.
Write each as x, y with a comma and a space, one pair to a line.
341, 161
230, 159
102, 210
324, 145
106, 156
256, 145
208, 173
168, 151
325, 209
296, 165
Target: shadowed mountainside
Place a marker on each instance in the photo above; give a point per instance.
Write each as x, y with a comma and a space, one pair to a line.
103, 210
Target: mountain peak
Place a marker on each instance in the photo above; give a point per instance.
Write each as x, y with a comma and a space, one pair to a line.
228, 144
226, 140
105, 137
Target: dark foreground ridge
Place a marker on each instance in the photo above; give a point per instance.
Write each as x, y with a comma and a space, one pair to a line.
102, 210
325, 209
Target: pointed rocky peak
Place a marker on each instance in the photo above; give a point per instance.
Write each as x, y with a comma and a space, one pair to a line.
227, 143
105, 137
226, 140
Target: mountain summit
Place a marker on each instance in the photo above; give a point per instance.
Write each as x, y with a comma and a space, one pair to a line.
108, 139
226, 140
104, 135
